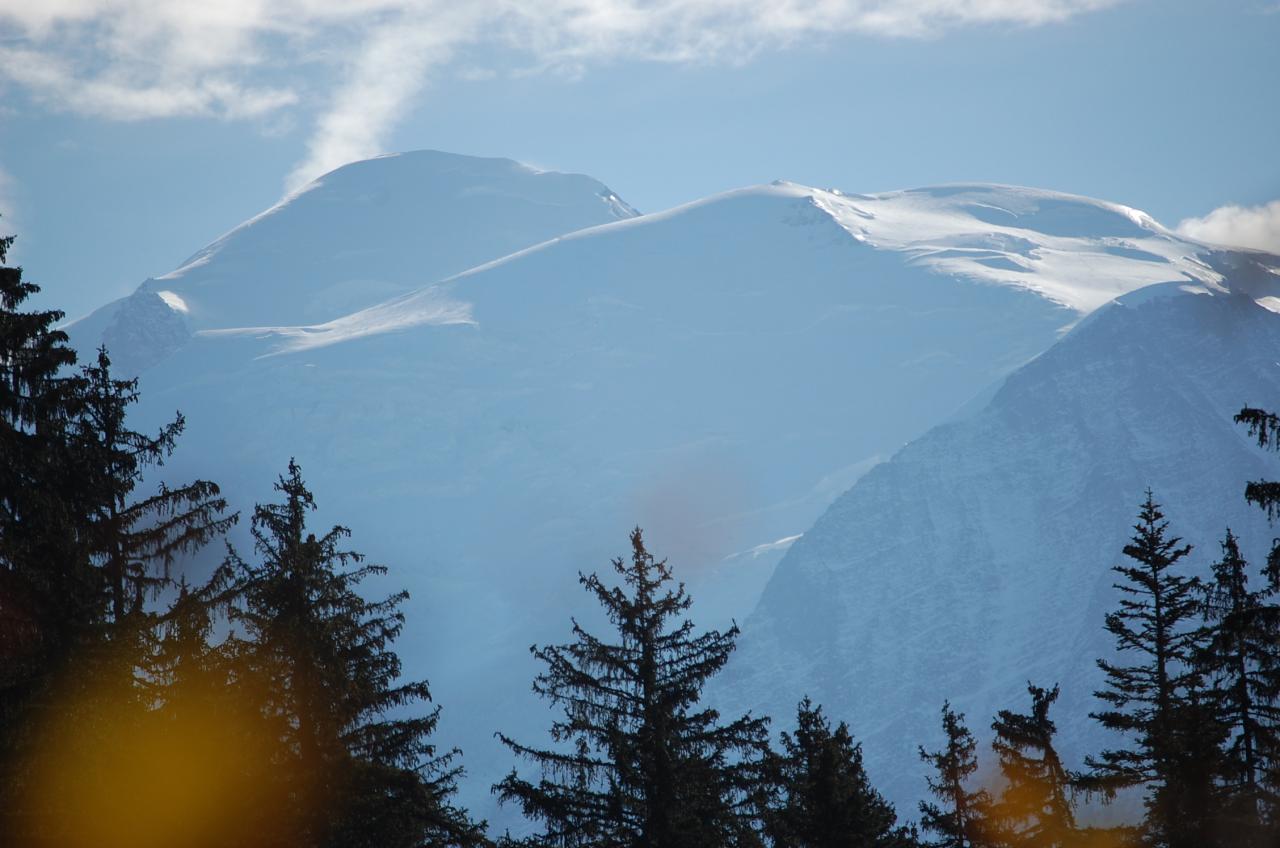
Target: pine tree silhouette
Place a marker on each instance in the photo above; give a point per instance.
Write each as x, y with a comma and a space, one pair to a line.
963, 819
638, 760
1035, 809
50, 603
135, 540
364, 769
826, 799
1240, 661
1265, 427
1159, 701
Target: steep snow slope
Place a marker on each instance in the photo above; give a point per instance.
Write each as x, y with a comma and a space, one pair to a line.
357, 236
978, 557
1078, 251
717, 373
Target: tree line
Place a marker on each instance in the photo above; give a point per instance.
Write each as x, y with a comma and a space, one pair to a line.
264, 705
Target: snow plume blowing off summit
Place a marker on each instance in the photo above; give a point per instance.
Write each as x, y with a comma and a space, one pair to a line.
1256, 227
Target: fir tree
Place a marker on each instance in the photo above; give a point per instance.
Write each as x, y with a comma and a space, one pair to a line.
185, 666
1265, 427
1240, 660
1035, 809
206, 705
366, 772
1159, 701
50, 604
48, 588
638, 760
826, 799
963, 819
134, 541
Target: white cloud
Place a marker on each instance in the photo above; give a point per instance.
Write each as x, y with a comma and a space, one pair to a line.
1241, 226
120, 96
362, 63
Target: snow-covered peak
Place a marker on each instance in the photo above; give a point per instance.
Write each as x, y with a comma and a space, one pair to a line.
378, 190
1071, 251
1074, 250
361, 235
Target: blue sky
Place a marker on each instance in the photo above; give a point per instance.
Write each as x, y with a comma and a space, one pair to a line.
130, 136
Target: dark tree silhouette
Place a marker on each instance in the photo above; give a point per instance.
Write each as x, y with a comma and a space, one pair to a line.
50, 603
1159, 701
135, 540
1240, 660
638, 760
1265, 427
364, 769
1035, 808
826, 799
962, 817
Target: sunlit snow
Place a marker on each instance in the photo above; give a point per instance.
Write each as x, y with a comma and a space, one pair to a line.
174, 301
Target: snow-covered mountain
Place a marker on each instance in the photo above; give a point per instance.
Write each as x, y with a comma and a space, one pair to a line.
978, 557
353, 238
717, 373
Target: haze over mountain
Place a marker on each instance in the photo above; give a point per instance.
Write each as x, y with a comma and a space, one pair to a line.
490, 374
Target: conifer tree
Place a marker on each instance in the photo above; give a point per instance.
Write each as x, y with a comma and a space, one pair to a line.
1159, 701
365, 770
185, 664
1239, 661
639, 761
135, 540
963, 819
1035, 809
131, 541
50, 604
48, 591
1265, 427
205, 704
826, 799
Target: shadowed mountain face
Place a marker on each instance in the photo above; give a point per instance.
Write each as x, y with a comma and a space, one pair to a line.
978, 557
717, 373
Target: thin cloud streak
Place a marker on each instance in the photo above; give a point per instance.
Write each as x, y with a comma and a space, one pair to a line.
362, 64
390, 70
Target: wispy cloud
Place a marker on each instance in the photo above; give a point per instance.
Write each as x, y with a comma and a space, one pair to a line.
1241, 226
360, 65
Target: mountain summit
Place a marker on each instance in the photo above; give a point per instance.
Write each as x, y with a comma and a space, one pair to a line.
356, 236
